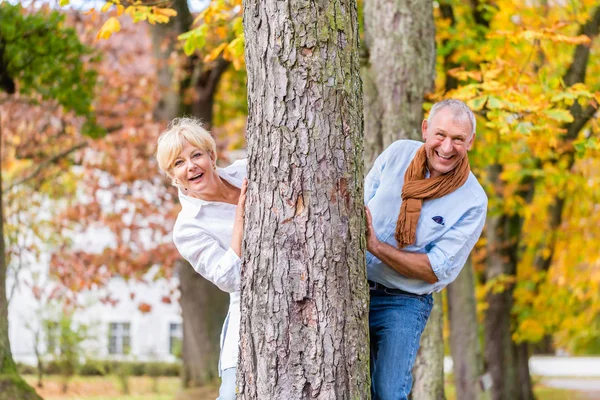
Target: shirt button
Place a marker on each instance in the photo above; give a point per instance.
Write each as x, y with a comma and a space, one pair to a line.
452, 258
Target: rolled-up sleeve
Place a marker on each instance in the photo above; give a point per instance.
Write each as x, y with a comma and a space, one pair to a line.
203, 251
450, 252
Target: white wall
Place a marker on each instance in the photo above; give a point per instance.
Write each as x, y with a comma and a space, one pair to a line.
149, 331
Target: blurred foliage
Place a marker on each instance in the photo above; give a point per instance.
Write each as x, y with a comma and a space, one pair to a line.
512, 62
46, 61
532, 126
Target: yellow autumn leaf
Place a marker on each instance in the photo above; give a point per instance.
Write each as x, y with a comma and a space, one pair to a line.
106, 6
111, 26
167, 12
215, 53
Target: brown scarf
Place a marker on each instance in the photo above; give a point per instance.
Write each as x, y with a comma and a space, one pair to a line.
416, 189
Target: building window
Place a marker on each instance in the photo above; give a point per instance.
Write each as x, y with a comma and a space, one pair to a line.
119, 338
175, 339
52, 337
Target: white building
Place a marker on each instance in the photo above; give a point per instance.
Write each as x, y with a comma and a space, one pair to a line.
119, 331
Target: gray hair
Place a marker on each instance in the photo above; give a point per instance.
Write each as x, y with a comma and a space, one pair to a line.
459, 110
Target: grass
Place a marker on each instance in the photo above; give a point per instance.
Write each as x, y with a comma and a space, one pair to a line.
141, 388
106, 388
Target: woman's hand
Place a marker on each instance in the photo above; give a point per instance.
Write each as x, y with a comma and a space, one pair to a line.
238, 223
241, 205
372, 241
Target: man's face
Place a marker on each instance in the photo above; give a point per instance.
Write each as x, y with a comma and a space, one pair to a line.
446, 141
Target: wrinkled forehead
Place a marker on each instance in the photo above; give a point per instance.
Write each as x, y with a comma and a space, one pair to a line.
457, 116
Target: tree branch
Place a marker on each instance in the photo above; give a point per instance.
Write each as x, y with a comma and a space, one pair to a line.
41, 166
577, 70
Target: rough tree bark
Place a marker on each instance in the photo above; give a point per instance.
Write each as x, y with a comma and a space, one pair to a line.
304, 331
400, 40
11, 385
464, 335
203, 305
429, 367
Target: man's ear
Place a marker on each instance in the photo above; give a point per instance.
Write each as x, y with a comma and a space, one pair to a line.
470, 142
424, 129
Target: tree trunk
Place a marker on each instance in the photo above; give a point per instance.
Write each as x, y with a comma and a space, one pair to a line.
499, 349
11, 385
164, 40
429, 377
304, 332
464, 335
400, 39
203, 307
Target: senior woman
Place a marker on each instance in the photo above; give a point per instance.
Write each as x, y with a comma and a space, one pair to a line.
209, 227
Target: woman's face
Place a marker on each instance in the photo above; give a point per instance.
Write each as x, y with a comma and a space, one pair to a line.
193, 169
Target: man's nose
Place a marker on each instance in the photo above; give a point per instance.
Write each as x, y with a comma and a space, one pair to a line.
447, 145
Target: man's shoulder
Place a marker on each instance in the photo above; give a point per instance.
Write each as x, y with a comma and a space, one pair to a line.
405, 145
403, 148
475, 191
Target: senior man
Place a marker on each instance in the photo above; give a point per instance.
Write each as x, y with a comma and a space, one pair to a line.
425, 211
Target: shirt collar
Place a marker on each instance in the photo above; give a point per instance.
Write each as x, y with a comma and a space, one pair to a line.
192, 205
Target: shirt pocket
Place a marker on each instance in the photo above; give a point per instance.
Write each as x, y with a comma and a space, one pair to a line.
429, 229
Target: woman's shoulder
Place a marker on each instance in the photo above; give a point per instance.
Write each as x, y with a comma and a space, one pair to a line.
237, 169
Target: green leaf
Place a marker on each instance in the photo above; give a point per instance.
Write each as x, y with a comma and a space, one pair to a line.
477, 103
494, 103
559, 115
63, 3
188, 47
524, 128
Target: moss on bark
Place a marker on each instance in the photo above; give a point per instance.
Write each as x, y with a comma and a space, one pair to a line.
13, 387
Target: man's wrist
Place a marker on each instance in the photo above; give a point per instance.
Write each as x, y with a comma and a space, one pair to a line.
374, 246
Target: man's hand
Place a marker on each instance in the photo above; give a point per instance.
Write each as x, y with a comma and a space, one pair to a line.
411, 265
372, 241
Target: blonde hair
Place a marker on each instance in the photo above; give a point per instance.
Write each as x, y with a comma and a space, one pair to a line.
171, 141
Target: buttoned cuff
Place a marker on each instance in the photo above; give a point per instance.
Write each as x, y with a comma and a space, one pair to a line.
440, 262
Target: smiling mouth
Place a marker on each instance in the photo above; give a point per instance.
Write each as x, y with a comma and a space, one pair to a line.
442, 157
196, 178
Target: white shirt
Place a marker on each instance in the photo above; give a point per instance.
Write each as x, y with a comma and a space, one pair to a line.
447, 230
202, 234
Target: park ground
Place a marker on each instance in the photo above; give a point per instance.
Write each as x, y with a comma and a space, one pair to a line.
167, 388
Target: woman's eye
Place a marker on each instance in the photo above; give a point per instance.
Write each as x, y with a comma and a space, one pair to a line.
178, 163
196, 155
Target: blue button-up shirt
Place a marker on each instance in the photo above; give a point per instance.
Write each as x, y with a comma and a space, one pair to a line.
448, 227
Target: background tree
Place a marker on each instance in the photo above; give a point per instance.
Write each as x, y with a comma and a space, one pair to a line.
465, 348
188, 85
41, 60
400, 43
304, 292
